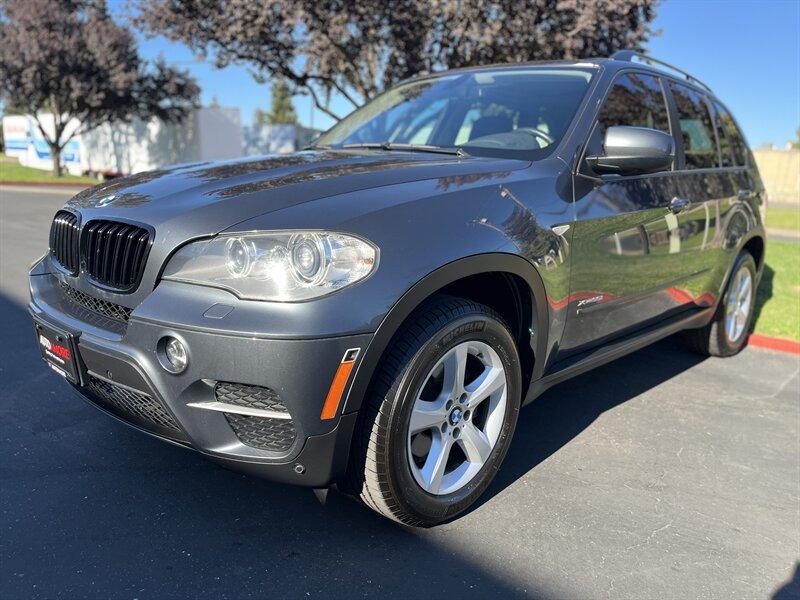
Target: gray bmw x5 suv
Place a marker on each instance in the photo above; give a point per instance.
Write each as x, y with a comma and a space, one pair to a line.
372, 312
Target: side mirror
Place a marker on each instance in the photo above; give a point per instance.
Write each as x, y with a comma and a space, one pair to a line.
633, 151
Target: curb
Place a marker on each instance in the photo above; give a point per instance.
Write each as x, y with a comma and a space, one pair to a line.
48, 184
772, 343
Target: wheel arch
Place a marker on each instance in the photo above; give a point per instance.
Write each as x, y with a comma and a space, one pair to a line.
447, 279
756, 247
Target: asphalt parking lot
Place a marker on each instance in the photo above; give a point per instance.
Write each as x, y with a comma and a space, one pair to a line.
661, 475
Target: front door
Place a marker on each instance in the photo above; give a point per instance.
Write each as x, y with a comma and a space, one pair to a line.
629, 231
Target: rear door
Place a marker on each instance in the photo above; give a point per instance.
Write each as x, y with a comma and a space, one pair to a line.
626, 244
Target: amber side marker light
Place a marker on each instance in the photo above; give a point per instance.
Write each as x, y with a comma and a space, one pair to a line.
331, 406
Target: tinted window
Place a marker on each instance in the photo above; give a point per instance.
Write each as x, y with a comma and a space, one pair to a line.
635, 100
735, 139
699, 144
724, 142
519, 113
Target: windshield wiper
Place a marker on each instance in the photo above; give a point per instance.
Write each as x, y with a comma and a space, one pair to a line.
407, 148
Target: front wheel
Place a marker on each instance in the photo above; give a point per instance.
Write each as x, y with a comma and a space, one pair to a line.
727, 333
440, 416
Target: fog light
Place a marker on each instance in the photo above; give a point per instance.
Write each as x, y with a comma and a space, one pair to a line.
174, 356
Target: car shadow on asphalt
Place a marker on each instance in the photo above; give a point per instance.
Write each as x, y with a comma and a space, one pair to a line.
560, 414
789, 589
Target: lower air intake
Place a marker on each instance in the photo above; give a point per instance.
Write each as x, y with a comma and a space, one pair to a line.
252, 396
265, 433
101, 307
140, 408
262, 432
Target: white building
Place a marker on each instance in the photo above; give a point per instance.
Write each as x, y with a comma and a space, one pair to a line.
121, 149
276, 139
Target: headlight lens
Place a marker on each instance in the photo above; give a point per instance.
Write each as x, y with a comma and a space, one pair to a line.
307, 257
239, 257
277, 266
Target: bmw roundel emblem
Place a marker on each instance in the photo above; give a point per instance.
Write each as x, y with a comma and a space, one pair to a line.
105, 201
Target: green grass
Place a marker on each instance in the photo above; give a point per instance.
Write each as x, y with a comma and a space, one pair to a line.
11, 170
784, 218
778, 300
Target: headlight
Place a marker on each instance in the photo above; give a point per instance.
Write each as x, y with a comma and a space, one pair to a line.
281, 266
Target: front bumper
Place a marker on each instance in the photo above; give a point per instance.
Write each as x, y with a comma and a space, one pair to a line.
121, 374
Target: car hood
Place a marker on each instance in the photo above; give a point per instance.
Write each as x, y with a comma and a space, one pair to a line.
189, 201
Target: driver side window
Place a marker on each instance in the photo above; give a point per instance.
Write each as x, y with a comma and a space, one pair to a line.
636, 100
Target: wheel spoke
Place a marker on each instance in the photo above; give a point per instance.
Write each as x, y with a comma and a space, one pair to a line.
730, 300
490, 381
426, 415
730, 323
744, 286
433, 470
741, 317
475, 444
455, 367
744, 297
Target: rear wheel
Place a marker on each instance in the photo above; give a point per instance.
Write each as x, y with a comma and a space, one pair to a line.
440, 416
727, 333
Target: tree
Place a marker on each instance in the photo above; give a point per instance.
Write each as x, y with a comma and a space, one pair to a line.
260, 117
796, 142
70, 59
358, 48
281, 111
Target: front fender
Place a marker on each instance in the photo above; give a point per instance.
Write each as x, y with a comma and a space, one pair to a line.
428, 286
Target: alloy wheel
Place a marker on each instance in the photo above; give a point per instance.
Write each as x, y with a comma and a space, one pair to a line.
737, 304
457, 417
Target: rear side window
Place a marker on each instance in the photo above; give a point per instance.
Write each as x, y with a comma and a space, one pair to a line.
735, 139
724, 142
635, 100
697, 130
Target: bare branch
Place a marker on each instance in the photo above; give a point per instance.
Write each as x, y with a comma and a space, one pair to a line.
357, 49
324, 108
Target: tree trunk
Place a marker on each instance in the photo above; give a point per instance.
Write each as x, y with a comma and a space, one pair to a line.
55, 152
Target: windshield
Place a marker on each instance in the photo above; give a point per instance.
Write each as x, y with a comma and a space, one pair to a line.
509, 113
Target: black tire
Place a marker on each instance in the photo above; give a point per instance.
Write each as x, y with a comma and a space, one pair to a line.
379, 472
712, 340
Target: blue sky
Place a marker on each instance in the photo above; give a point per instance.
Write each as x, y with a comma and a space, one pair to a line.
748, 51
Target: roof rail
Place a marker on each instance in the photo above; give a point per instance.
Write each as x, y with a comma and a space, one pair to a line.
629, 55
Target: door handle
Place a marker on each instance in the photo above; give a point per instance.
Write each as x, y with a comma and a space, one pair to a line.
678, 204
